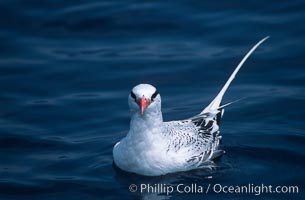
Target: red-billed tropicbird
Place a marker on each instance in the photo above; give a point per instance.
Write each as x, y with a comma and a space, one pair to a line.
153, 147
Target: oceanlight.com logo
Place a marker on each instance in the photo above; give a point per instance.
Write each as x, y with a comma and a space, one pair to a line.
194, 188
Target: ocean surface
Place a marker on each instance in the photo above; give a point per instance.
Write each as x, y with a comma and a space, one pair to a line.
67, 67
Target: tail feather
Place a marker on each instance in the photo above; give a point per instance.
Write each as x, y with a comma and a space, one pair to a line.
215, 104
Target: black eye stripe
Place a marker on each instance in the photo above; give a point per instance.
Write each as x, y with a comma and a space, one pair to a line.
154, 95
133, 95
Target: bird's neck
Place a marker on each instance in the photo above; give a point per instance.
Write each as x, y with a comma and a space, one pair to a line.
150, 123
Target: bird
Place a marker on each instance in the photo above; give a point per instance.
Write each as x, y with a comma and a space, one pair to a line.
153, 147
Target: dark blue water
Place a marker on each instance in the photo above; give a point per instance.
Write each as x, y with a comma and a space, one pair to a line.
66, 68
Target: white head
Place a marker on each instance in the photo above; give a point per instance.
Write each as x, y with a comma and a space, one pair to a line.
144, 98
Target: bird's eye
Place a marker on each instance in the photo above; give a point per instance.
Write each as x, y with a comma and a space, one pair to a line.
154, 95
133, 95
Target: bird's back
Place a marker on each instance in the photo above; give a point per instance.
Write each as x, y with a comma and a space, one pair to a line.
197, 138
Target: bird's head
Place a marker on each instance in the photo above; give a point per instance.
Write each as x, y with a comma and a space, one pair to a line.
144, 98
